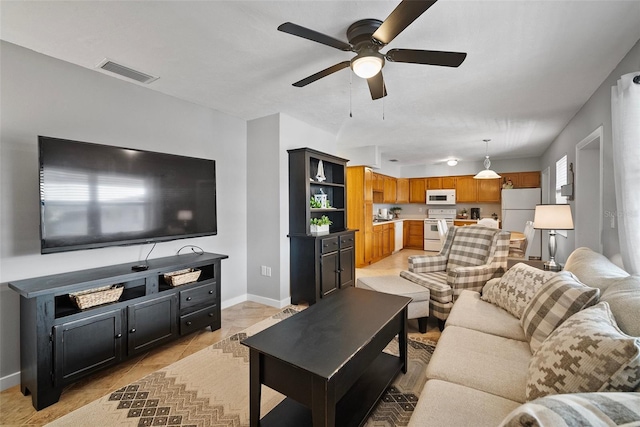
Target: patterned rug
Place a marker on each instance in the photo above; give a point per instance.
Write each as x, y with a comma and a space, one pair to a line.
211, 388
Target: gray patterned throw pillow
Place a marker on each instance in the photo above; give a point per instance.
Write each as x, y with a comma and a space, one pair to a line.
557, 299
578, 409
516, 288
587, 353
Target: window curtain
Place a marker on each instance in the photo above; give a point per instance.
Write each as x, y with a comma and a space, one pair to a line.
625, 115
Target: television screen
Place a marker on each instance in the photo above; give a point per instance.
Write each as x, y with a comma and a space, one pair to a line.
94, 195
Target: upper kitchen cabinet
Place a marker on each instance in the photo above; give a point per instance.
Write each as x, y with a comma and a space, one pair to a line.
529, 180
522, 179
417, 190
389, 194
378, 182
434, 183
306, 181
402, 190
489, 190
467, 189
448, 182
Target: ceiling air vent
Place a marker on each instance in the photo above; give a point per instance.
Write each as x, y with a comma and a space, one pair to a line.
127, 72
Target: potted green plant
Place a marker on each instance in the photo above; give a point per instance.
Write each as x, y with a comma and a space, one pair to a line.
320, 225
395, 211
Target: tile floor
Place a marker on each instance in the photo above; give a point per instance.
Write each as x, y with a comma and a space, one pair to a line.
16, 409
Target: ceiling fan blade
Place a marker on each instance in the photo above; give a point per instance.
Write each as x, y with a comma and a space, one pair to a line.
376, 86
324, 73
315, 36
428, 57
403, 15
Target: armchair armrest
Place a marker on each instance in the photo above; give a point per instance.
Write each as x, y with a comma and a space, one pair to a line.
427, 263
471, 278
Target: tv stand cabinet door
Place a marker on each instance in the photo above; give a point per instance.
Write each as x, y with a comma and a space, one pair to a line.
152, 322
86, 345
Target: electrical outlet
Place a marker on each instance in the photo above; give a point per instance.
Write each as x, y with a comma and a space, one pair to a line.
265, 271
420, 210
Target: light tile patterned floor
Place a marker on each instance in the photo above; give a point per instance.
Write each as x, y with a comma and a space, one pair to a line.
16, 409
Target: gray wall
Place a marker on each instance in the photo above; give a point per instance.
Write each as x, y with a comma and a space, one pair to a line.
268, 139
46, 96
595, 112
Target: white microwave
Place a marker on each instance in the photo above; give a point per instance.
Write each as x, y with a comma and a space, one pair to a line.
441, 197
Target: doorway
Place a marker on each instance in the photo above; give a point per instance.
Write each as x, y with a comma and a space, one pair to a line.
588, 190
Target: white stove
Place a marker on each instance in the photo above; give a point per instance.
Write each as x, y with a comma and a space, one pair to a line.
431, 236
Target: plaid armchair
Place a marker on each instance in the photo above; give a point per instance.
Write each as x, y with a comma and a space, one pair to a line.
469, 257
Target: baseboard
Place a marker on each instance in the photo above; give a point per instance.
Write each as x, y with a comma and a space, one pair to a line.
233, 301
10, 381
268, 301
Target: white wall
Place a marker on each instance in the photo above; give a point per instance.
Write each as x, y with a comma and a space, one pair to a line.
595, 112
46, 96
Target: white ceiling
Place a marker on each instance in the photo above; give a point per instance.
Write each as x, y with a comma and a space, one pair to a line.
530, 66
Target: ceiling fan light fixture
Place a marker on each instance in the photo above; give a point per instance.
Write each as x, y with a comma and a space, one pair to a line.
452, 162
367, 65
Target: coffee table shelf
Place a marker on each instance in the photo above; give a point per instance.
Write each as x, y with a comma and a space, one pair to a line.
353, 409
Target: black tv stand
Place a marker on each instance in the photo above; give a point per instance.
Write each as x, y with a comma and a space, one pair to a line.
59, 343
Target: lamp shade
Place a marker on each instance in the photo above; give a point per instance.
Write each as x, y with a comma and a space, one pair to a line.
553, 217
486, 174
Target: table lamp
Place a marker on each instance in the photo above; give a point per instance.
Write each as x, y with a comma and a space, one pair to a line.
552, 218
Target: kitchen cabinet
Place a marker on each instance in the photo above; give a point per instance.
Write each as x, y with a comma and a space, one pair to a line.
360, 214
378, 182
489, 190
417, 190
434, 183
60, 343
448, 182
402, 190
383, 240
467, 189
389, 190
414, 234
529, 180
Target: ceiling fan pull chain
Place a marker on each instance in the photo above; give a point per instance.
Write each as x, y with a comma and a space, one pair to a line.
350, 102
383, 97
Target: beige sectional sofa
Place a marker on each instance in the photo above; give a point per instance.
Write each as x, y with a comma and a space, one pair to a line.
487, 365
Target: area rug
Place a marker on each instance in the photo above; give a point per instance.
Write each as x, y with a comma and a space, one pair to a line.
211, 388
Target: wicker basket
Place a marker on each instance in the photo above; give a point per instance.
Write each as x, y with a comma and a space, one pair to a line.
96, 296
182, 277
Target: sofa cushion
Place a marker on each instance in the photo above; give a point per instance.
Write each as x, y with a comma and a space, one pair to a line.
481, 361
624, 299
579, 409
470, 247
587, 353
470, 312
436, 282
555, 301
445, 404
516, 288
593, 269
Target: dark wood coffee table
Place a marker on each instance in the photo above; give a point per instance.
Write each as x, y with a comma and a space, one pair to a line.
328, 360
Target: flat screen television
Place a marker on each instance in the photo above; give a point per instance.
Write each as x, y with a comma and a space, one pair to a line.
93, 195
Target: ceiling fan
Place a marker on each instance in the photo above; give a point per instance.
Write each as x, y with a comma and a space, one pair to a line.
366, 38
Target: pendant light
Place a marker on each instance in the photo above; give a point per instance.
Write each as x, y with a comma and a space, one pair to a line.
487, 173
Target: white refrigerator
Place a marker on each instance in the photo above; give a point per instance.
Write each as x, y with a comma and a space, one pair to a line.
518, 207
